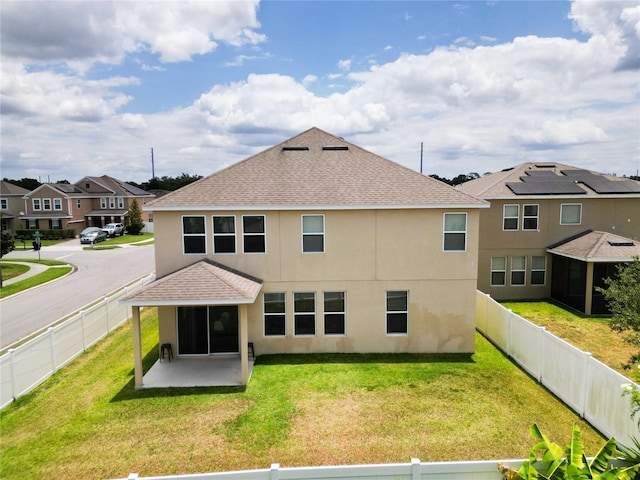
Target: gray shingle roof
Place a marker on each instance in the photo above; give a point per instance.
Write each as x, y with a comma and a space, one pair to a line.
202, 283
315, 170
598, 247
495, 185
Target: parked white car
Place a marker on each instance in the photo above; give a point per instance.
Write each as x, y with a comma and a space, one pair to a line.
113, 229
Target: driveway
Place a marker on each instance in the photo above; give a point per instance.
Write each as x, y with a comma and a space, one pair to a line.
98, 272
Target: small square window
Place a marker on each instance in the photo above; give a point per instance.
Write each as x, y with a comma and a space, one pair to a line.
571, 214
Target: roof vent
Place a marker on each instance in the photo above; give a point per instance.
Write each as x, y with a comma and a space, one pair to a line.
335, 147
614, 243
294, 149
545, 165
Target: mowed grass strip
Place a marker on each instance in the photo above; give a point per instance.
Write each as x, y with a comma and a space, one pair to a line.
88, 422
590, 334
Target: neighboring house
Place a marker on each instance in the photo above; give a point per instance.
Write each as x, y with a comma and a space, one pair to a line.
545, 233
313, 245
91, 202
11, 206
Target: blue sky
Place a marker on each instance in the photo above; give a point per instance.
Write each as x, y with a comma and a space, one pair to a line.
88, 88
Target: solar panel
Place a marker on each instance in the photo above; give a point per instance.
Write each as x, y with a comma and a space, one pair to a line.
540, 173
545, 188
605, 185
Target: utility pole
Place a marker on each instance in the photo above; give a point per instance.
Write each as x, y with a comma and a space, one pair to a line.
421, 147
153, 168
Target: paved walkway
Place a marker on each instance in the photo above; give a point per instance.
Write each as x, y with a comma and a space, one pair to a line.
34, 269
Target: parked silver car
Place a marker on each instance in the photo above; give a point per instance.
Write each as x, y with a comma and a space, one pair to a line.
113, 229
92, 235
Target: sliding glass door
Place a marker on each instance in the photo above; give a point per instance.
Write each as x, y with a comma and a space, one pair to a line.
206, 330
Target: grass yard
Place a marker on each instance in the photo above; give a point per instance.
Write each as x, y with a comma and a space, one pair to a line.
591, 334
88, 422
29, 282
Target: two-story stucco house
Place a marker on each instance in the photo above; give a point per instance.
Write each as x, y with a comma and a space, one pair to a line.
313, 245
554, 231
11, 204
90, 202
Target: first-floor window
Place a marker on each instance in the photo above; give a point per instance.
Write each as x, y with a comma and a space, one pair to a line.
570, 214
224, 234
455, 232
334, 313
304, 313
33, 224
518, 270
55, 224
274, 314
538, 270
498, 271
253, 234
194, 235
397, 312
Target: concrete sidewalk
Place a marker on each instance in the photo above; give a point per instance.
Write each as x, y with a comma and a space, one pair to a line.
34, 269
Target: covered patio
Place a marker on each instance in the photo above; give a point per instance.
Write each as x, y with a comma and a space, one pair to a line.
205, 286
214, 371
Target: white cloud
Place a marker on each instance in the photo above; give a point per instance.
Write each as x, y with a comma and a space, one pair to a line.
344, 65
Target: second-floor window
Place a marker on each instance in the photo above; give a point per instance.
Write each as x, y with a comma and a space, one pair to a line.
510, 217
194, 238
36, 204
570, 214
46, 203
4, 204
112, 202
254, 234
530, 217
313, 233
224, 234
57, 204
78, 203
103, 202
120, 202
455, 232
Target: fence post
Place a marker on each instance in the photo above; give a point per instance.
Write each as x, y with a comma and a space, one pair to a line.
84, 335
275, 471
14, 394
510, 318
585, 379
542, 340
416, 469
106, 313
52, 350
486, 314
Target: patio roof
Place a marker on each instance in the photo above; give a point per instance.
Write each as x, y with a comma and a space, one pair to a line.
202, 283
597, 247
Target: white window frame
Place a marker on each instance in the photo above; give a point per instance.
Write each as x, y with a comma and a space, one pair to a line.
388, 312
264, 234
268, 314
103, 203
309, 234
579, 222
522, 270
342, 312
525, 217
296, 314
112, 202
46, 202
37, 204
505, 217
235, 229
204, 234
57, 204
446, 232
78, 203
543, 270
4, 204
496, 270
120, 202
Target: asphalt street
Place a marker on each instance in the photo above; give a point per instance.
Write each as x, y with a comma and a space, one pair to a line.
97, 273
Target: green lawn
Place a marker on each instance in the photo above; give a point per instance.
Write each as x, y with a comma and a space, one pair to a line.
35, 280
591, 334
88, 422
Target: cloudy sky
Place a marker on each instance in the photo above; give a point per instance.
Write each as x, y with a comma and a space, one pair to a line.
88, 88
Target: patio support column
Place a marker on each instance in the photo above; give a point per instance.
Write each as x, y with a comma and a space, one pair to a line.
244, 338
137, 346
588, 294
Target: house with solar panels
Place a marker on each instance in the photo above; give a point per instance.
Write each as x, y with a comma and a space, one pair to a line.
554, 231
314, 245
90, 202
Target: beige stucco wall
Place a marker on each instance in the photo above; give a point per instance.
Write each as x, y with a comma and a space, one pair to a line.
366, 253
616, 215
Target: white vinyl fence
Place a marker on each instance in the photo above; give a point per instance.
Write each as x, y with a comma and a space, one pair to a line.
585, 384
27, 366
480, 470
